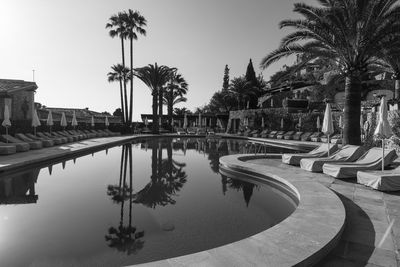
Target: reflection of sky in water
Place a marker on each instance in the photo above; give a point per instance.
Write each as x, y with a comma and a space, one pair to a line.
73, 212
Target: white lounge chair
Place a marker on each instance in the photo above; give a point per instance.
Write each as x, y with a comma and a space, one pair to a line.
388, 180
319, 152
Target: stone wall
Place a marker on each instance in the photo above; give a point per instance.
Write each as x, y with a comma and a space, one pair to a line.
22, 105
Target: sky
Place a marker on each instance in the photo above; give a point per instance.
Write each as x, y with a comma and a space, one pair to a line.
66, 44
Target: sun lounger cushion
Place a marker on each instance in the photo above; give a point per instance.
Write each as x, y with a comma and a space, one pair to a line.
321, 151
280, 134
25, 138
297, 135
20, 146
7, 149
348, 153
288, 135
306, 136
272, 134
371, 160
380, 180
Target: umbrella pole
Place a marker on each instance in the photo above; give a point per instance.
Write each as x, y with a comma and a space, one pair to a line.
383, 154
7, 134
329, 144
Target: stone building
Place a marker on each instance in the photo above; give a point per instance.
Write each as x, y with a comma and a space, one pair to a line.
19, 96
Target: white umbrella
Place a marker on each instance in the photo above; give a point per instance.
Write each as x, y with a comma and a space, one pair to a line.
63, 122
106, 122
299, 125
327, 125
172, 122
341, 126
92, 122
199, 121
146, 122
281, 123
74, 122
383, 129
6, 122
35, 121
262, 122
318, 123
185, 122
248, 104
209, 122
49, 120
361, 125
272, 103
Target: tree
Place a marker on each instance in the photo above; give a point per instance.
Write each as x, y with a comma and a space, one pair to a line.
250, 74
134, 24
121, 74
243, 91
155, 77
118, 29
181, 111
118, 112
174, 93
349, 33
225, 84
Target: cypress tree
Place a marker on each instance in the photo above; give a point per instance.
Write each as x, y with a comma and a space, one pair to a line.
250, 74
225, 84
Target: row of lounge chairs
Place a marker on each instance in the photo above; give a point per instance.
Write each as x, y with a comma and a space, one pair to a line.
293, 135
195, 131
349, 162
23, 142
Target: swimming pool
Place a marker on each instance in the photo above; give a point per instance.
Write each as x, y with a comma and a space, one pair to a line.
149, 200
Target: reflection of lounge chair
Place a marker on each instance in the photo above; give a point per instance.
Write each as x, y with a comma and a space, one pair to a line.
347, 153
20, 145
371, 160
321, 151
316, 137
297, 135
336, 139
280, 134
25, 138
306, 136
288, 135
388, 180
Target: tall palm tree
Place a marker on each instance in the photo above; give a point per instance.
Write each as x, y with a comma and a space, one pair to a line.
349, 33
155, 77
174, 93
117, 28
243, 91
134, 25
121, 74
162, 92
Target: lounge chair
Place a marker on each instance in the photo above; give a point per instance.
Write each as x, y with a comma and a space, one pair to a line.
7, 149
319, 152
20, 145
297, 135
371, 160
57, 140
247, 132
201, 131
75, 137
180, 131
316, 137
254, 133
68, 137
93, 134
191, 131
98, 133
288, 135
47, 141
264, 133
336, 139
388, 180
281, 134
272, 134
25, 138
111, 133
32, 143
348, 153
210, 132
306, 136
80, 135
324, 138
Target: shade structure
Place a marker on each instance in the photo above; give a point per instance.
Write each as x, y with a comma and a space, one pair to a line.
282, 123
383, 129
327, 125
63, 121
185, 122
106, 122
92, 122
262, 122
318, 123
6, 122
35, 121
74, 122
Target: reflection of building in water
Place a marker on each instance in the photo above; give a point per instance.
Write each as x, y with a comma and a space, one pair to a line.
19, 188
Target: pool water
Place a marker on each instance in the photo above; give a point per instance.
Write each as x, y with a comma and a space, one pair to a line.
149, 200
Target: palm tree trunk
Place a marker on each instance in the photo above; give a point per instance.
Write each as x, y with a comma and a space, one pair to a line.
122, 102
126, 104
131, 96
352, 110
160, 104
155, 106
123, 64
170, 106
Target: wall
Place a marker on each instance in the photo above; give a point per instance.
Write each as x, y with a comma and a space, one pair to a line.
18, 99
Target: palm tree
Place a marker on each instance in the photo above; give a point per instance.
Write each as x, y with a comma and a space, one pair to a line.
243, 91
155, 77
134, 23
118, 29
349, 33
121, 74
174, 93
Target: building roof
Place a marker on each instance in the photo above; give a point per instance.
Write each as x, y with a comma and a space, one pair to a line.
9, 86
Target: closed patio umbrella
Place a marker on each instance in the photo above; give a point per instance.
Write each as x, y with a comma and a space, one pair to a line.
318, 123
35, 121
146, 122
341, 126
327, 125
63, 122
92, 122
6, 122
49, 120
199, 120
299, 124
185, 121
106, 122
74, 122
383, 129
272, 103
262, 122
281, 123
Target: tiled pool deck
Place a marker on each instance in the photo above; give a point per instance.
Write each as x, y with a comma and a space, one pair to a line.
371, 236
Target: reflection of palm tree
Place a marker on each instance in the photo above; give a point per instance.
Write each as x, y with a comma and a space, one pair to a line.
167, 179
124, 238
239, 185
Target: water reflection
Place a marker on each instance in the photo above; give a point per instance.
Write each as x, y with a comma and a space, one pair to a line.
238, 185
19, 188
124, 238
